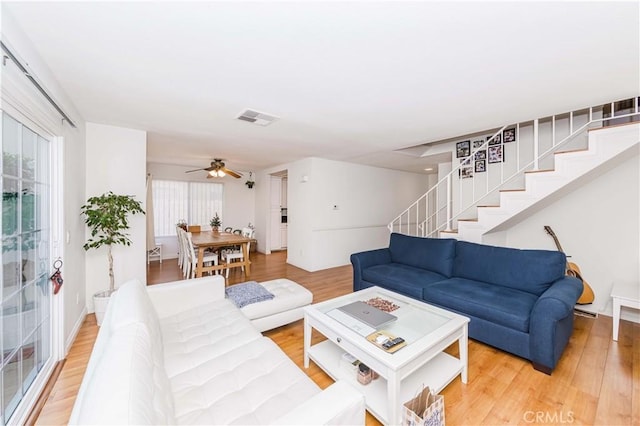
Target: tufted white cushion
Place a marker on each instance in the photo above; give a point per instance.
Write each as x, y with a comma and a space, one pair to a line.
252, 384
201, 362
203, 333
288, 295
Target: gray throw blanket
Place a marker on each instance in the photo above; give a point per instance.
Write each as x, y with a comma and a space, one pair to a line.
244, 294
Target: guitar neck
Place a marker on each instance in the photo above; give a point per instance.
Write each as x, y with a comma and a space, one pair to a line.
555, 239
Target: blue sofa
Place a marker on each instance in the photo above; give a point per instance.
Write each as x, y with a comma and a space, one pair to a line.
520, 301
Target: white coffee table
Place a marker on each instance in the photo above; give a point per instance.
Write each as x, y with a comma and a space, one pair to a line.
428, 331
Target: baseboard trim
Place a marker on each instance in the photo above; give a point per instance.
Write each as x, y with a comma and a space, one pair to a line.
586, 314
75, 331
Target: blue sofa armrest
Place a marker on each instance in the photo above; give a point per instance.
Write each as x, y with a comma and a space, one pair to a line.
551, 322
365, 259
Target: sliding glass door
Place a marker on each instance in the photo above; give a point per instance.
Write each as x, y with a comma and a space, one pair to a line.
25, 293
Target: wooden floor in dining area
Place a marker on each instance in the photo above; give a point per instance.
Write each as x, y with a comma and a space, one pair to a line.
597, 381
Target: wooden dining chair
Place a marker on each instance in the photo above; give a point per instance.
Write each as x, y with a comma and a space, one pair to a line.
228, 229
237, 254
180, 250
192, 263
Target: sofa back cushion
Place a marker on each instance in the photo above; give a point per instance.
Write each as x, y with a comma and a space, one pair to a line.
433, 254
127, 386
126, 381
532, 271
131, 304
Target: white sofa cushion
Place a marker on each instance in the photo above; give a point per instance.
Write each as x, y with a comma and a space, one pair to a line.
203, 353
127, 386
252, 384
288, 295
202, 333
131, 304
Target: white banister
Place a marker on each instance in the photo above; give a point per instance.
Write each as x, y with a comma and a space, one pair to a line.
449, 215
571, 122
536, 145
429, 221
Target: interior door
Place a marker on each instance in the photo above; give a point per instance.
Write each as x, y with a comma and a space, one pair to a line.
25, 293
275, 216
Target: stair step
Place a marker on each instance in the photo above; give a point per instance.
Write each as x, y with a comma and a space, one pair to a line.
539, 171
467, 220
570, 151
613, 125
491, 206
453, 231
512, 190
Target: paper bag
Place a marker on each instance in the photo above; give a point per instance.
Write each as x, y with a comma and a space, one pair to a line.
426, 409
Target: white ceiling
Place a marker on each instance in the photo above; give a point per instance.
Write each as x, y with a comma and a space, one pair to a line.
350, 81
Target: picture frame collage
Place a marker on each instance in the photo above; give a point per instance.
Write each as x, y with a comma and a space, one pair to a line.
493, 153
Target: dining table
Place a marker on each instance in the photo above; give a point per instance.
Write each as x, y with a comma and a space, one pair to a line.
213, 239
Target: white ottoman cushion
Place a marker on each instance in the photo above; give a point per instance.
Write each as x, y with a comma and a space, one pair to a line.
284, 308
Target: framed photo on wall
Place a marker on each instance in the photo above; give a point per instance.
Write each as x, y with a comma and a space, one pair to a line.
478, 143
509, 135
481, 166
480, 155
495, 154
466, 172
463, 149
496, 141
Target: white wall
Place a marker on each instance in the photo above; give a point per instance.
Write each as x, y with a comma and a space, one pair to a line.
116, 161
321, 236
598, 226
23, 97
74, 197
238, 199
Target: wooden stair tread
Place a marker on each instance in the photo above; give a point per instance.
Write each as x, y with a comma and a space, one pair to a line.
467, 220
490, 206
453, 231
512, 190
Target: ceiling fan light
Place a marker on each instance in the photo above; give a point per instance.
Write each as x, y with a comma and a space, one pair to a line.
221, 173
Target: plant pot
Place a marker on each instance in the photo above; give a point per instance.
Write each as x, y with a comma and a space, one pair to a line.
100, 303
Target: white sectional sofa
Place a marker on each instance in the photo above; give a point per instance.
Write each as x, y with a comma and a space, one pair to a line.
180, 353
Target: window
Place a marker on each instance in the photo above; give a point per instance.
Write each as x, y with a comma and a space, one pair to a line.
25, 296
195, 202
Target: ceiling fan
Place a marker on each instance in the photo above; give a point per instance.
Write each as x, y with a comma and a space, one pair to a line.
217, 169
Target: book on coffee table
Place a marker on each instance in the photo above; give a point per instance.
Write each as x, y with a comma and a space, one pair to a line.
379, 338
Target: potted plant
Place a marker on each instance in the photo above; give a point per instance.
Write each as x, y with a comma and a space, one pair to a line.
215, 223
107, 217
250, 182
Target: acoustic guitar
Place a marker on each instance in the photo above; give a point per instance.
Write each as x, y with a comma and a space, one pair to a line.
573, 270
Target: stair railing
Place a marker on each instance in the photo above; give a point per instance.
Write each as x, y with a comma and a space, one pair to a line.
434, 211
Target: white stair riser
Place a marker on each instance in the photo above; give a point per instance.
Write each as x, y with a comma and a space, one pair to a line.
568, 167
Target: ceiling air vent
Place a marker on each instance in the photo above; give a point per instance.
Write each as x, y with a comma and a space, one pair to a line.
255, 117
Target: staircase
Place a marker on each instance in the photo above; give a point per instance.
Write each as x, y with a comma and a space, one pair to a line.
549, 156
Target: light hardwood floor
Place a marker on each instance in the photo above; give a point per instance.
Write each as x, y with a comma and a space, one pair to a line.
597, 381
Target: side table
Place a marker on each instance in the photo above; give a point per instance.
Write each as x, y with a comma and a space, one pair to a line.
623, 294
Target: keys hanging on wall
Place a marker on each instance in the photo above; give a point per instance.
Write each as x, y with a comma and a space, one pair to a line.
56, 278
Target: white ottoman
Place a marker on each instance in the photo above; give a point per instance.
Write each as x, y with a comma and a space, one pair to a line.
284, 308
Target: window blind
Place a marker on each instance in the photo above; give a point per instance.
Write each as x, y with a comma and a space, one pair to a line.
195, 202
